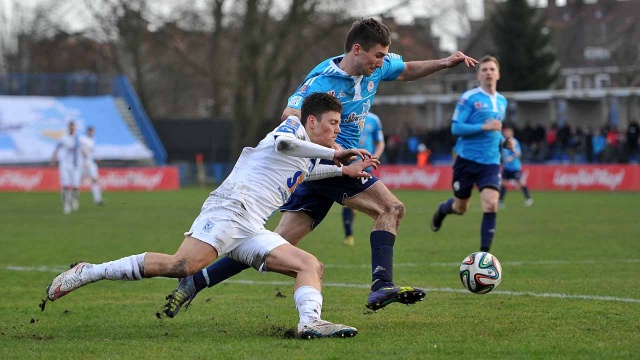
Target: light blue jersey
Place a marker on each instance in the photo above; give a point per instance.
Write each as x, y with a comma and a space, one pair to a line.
476, 107
509, 161
356, 93
372, 133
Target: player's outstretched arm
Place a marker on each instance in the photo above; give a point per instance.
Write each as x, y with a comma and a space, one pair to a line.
414, 70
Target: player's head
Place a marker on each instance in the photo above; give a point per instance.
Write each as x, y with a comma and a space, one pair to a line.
90, 131
368, 41
507, 129
321, 118
71, 127
488, 70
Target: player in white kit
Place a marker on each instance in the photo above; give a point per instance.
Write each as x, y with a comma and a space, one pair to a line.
67, 153
232, 218
89, 165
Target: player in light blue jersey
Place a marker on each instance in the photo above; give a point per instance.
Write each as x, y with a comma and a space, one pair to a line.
512, 168
477, 121
371, 139
353, 78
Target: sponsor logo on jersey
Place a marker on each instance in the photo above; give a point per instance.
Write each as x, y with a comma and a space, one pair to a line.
303, 89
341, 94
294, 181
293, 122
295, 101
359, 118
286, 128
207, 227
370, 86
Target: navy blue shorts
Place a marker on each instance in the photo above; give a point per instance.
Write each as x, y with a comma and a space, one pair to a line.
467, 173
315, 198
509, 175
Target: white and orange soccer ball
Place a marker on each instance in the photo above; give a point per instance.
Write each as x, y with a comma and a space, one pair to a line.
480, 272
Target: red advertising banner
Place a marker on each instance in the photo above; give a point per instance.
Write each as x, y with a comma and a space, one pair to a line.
539, 177
111, 179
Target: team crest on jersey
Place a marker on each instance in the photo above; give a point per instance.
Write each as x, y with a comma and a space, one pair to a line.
207, 227
331, 92
370, 86
478, 105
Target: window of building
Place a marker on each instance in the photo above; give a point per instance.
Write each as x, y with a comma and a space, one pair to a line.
601, 81
573, 82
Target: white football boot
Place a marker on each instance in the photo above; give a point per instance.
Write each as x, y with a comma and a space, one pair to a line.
321, 328
68, 281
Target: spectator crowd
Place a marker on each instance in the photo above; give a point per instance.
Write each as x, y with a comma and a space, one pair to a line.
555, 144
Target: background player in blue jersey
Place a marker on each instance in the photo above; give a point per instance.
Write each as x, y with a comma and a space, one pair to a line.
512, 168
477, 121
371, 139
353, 78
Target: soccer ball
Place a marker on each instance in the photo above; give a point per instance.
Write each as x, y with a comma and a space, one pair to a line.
480, 272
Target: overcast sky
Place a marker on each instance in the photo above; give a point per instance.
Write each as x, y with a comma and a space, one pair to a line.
447, 27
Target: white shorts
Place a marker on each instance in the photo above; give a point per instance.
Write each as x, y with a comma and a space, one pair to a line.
226, 225
90, 170
69, 175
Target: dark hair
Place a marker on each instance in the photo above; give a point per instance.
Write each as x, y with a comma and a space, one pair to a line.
367, 33
317, 104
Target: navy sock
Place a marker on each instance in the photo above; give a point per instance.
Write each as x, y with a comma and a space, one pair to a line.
446, 207
487, 230
503, 192
381, 258
347, 220
217, 272
525, 191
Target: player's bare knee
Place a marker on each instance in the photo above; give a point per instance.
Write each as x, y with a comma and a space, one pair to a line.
492, 207
460, 209
395, 209
320, 269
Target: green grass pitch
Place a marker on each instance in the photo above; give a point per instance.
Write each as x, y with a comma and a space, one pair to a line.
569, 287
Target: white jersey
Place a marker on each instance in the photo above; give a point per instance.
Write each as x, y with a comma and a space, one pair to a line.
263, 179
69, 151
87, 148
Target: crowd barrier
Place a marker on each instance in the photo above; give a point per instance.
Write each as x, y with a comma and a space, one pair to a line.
110, 179
538, 177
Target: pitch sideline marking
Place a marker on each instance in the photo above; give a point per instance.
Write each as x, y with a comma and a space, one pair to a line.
364, 286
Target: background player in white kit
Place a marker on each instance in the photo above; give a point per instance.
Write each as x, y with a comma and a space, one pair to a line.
89, 165
67, 153
232, 219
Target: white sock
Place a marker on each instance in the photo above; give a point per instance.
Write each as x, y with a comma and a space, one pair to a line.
127, 268
309, 303
95, 191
